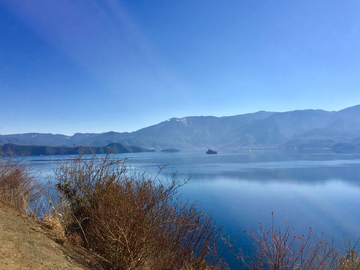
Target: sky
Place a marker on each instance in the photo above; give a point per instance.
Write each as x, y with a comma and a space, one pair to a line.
69, 66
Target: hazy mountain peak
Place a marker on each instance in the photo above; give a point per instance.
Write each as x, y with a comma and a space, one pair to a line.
259, 129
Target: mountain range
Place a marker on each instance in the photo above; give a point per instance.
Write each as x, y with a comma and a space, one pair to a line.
301, 129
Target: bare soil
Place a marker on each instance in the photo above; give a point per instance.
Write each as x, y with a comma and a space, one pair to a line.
26, 244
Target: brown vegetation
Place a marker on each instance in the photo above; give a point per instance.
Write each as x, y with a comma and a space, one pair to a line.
26, 240
18, 188
134, 221
280, 250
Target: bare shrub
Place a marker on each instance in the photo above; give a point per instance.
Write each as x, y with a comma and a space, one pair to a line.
132, 220
18, 188
277, 249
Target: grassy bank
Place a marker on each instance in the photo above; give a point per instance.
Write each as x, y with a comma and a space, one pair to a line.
18, 187
131, 220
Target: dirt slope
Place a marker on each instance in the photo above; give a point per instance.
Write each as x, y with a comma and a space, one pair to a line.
25, 244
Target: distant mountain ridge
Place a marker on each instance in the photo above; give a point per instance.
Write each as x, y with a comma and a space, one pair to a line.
287, 130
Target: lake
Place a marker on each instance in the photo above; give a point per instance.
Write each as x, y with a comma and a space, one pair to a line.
321, 191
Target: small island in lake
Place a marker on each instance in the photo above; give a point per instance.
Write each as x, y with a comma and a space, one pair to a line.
210, 151
170, 150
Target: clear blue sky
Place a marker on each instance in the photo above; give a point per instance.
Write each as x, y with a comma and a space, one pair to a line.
71, 66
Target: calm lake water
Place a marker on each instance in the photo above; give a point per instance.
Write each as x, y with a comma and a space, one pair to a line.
321, 191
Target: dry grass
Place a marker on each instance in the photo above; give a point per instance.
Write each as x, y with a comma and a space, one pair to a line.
350, 260
20, 191
18, 188
57, 232
133, 221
